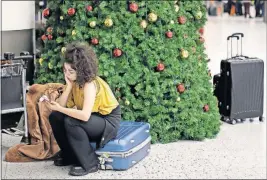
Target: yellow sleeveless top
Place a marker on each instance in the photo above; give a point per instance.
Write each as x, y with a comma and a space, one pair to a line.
105, 100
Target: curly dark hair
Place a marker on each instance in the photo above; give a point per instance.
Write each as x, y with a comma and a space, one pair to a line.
83, 60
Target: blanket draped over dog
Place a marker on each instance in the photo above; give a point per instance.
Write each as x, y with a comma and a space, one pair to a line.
42, 142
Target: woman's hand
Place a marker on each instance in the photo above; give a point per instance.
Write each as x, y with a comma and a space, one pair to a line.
54, 106
68, 81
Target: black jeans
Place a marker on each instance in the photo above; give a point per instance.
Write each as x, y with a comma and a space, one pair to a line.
239, 10
74, 136
247, 8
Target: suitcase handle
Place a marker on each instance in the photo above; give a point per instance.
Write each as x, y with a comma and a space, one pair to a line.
241, 35
238, 34
228, 38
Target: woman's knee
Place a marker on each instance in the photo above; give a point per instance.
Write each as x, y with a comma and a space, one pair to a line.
70, 122
55, 116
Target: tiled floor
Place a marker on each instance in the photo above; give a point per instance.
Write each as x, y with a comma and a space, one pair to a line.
238, 152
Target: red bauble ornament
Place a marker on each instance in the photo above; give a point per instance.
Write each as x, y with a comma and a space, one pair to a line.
46, 12
117, 52
180, 88
49, 30
89, 8
50, 37
44, 37
71, 11
169, 34
201, 31
160, 67
206, 108
94, 41
133, 7
182, 20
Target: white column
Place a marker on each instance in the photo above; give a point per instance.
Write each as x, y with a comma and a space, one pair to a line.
17, 15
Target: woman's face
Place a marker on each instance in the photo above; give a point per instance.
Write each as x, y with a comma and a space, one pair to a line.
69, 72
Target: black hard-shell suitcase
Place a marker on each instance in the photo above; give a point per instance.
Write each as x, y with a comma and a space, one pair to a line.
241, 87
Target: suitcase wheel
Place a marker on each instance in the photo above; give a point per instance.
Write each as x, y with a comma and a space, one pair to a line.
251, 119
243, 120
233, 121
261, 119
224, 119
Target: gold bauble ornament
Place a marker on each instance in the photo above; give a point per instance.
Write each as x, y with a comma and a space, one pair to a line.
184, 54
108, 22
63, 50
178, 99
61, 18
198, 15
73, 32
50, 66
92, 24
176, 8
152, 17
143, 24
172, 22
127, 102
41, 61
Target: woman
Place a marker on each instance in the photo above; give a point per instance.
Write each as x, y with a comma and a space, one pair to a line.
247, 4
87, 111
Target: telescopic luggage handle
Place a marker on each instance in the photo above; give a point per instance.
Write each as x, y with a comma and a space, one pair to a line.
238, 34
228, 38
241, 35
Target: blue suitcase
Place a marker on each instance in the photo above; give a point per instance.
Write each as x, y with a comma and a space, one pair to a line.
131, 145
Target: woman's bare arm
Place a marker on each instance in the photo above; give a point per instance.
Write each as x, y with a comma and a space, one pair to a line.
62, 100
89, 100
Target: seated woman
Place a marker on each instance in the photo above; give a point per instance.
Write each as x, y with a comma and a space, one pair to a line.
95, 118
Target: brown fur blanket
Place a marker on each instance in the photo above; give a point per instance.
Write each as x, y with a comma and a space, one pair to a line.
42, 142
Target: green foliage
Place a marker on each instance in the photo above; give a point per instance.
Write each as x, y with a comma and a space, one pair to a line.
144, 93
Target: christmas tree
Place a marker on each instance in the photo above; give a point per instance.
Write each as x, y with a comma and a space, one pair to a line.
151, 53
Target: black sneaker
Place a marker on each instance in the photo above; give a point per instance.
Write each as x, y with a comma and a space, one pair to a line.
59, 160
62, 162
80, 171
